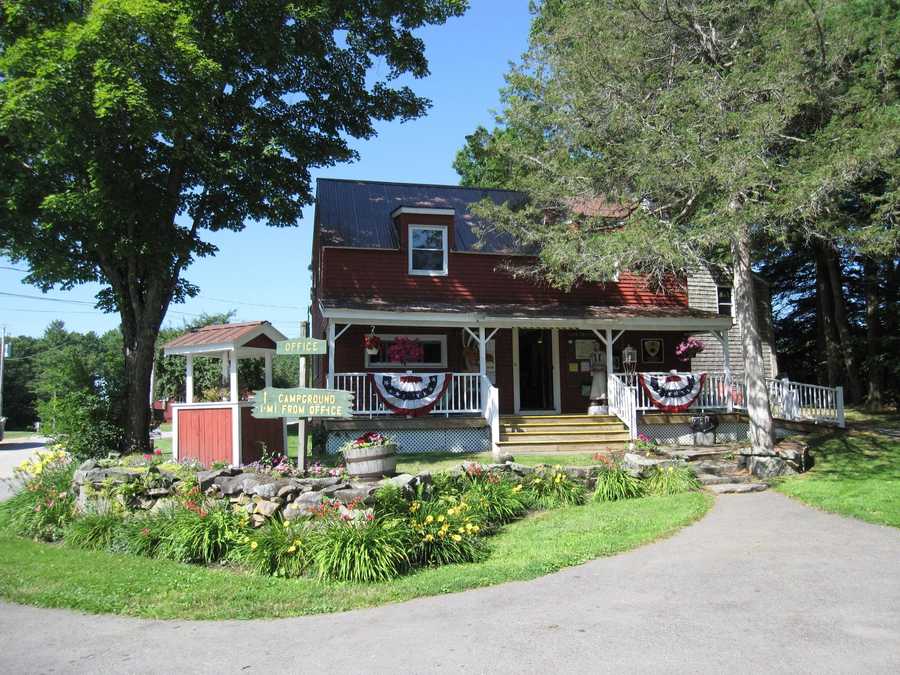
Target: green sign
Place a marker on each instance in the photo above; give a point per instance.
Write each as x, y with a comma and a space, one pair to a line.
302, 402
301, 347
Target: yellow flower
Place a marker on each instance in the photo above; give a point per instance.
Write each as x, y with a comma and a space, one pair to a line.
253, 545
451, 512
517, 488
292, 549
476, 529
461, 530
429, 537
456, 537
429, 518
297, 543
440, 518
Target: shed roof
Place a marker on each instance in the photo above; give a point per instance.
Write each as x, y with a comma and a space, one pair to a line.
357, 213
253, 334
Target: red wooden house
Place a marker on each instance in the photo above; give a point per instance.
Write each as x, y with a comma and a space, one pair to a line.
403, 260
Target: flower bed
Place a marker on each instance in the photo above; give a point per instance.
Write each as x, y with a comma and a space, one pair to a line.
289, 525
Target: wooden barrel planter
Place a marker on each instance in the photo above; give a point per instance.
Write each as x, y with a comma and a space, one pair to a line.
371, 463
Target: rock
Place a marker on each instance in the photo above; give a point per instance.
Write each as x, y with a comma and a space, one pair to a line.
309, 498
83, 469
769, 467
230, 485
146, 504
289, 490
258, 520
349, 495
576, 472
206, 478
506, 458
520, 469
155, 493
269, 490
641, 467
318, 483
737, 488
331, 489
267, 508
404, 481
99, 476
296, 510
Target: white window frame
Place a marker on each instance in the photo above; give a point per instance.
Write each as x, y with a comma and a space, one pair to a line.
424, 338
730, 302
409, 255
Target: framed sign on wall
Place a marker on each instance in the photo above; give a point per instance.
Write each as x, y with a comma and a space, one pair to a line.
652, 350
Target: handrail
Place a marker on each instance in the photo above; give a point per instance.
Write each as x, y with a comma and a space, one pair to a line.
623, 403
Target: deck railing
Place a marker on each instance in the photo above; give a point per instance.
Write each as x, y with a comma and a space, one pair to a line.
623, 403
788, 400
463, 395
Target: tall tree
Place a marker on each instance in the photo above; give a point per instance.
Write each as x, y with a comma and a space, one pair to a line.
130, 127
694, 117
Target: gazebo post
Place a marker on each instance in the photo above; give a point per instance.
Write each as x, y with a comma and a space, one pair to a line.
233, 376
189, 379
268, 369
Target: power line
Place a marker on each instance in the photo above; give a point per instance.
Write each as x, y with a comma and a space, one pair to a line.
13, 269
249, 304
45, 298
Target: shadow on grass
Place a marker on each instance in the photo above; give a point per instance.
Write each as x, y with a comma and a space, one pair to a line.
840, 455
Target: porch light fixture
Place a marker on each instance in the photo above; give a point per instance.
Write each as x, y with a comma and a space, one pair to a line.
629, 359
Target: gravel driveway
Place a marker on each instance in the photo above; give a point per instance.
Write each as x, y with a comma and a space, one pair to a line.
762, 584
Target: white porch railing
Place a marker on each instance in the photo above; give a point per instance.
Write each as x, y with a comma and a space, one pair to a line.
788, 400
463, 395
623, 402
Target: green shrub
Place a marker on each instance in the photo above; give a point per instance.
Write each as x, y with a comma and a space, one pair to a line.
550, 489
143, 533
94, 531
201, 534
45, 502
495, 500
279, 548
445, 531
81, 423
671, 481
364, 551
614, 483
390, 502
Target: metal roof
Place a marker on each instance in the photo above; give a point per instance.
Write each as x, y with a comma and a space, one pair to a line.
357, 213
221, 334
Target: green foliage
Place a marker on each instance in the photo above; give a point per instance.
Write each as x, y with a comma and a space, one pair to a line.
361, 551
143, 533
201, 535
614, 483
44, 505
97, 530
445, 530
671, 480
390, 501
80, 423
552, 488
279, 548
495, 499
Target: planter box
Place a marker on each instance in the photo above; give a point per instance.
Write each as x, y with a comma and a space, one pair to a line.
371, 463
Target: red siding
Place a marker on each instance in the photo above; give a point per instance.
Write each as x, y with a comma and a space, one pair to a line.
473, 278
255, 431
204, 434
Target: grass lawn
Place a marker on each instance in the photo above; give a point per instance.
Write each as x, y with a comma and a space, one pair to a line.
12, 435
856, 473
55, 576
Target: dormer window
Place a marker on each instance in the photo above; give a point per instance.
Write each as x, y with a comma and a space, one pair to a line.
428, 250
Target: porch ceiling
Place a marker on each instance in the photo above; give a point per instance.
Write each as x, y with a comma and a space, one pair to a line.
649, 317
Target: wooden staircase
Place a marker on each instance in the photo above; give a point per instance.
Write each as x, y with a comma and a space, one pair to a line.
561, 433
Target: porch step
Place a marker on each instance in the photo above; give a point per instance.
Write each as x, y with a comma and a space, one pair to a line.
601, 435
549, 419
515, 446
559, 427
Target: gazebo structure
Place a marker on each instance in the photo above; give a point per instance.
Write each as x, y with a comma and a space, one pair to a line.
225, 431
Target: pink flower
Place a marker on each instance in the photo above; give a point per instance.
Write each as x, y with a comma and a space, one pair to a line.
158, 451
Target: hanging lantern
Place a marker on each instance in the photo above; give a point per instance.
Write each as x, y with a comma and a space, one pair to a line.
629, 359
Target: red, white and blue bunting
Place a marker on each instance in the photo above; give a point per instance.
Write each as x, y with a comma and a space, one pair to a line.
672, 392
410, 394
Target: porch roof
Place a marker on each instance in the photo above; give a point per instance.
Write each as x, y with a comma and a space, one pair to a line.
503, 315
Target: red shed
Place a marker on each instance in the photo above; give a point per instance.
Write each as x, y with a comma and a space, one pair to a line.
225, 431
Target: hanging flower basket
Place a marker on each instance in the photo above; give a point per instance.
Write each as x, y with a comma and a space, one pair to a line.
688, 349
372, 343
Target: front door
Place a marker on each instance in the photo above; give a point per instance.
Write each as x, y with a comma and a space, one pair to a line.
535, 367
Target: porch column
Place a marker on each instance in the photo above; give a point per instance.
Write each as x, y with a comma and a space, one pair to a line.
189, 379
722, 336
482, 352
330, 376
609, 355
267, 368
233, 376
224, 359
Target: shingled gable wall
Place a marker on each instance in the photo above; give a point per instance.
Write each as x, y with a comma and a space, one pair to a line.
702, 291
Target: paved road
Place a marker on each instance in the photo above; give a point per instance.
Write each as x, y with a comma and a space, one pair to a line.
12, 453
762, 584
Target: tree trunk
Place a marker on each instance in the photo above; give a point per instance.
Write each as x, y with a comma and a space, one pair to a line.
762, 436
874, 399
842, 324
830, 348
140, 329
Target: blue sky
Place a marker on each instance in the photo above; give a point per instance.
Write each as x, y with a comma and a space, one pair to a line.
467, 57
